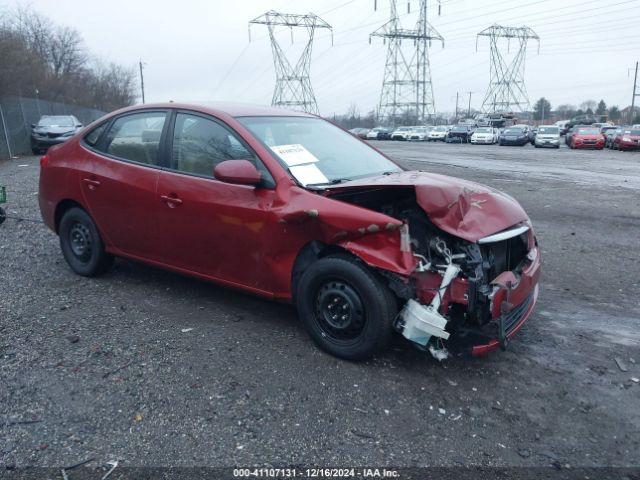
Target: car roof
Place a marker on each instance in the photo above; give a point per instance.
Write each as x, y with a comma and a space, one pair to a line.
225, 108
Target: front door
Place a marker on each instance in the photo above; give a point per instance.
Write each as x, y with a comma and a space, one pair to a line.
119, 179
206, 226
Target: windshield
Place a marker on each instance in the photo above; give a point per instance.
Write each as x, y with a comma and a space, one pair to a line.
513, 131
589, 131
632, 132
440, 129
549, 130
484, 130
56, 122
459, 129
317, 152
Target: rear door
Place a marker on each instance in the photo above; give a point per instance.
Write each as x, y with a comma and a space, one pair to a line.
210, 227
120, 177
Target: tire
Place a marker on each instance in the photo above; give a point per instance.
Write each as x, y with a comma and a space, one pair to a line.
35, 151
340, 283
81, 244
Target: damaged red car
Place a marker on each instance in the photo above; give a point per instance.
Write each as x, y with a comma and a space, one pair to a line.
288, 206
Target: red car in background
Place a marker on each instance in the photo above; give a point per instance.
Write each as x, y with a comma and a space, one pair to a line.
587, 137
627, 139
288, 206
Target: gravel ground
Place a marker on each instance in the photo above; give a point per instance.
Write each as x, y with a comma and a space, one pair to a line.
106, 368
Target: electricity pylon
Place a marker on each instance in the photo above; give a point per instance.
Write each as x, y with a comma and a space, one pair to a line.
293, 85
507, 91
407, 86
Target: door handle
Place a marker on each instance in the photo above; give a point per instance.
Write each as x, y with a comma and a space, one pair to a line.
171, 201
92, 183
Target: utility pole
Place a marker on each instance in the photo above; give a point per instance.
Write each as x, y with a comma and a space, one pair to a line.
506, 91
293, 83
469, 110
542, 115
407, 86
633, 98
142, 79
457, 95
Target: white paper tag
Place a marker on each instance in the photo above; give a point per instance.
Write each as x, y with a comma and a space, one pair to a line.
308, 174
294, 154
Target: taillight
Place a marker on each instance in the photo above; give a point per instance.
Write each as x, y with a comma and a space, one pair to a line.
44, 160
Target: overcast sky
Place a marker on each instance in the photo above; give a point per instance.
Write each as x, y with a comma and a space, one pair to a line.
200, 50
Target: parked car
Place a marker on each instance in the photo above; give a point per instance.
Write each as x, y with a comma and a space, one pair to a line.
610, 134
379, 133
547, 136
288, 206
359, 132
587, 137
485, 135
401, 133
528, 131
571, 131
437, 133
627, 139
459, 134
562, 126
419, 134
53, 130
513, 136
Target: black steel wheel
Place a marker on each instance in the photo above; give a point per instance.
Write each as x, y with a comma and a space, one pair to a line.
81, 244
345, 307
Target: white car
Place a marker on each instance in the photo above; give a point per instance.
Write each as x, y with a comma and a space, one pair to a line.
485, 136
401, 133
419, 134
547, 136
437, 133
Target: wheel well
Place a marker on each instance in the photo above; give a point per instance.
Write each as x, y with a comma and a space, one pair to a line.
308, 254
63, 207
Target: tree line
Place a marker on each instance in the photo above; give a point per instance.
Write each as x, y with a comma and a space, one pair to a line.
542, 109
47, 61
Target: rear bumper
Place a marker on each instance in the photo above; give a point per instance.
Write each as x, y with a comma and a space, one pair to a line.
628, 146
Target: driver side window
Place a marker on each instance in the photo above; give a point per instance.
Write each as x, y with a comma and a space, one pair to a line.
199, 144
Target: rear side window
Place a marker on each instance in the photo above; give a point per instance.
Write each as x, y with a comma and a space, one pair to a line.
94, 135
136, 137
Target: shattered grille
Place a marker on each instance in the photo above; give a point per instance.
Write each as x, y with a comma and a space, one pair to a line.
505, 255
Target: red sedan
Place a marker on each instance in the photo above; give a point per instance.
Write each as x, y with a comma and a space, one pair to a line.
627, 139
587, 137
288, 206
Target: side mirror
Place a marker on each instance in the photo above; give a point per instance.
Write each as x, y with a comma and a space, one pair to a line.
241, 172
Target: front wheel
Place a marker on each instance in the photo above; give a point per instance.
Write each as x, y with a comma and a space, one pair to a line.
81, 244
345, 308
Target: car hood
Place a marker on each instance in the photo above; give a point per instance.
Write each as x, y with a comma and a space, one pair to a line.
465, 209
56, 130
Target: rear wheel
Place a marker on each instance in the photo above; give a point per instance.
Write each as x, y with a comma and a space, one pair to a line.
81, 244
345, 308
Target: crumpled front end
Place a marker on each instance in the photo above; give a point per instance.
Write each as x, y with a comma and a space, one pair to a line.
476, 278
479, 294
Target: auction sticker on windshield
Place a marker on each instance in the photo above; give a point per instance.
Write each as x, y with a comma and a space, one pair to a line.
308, 174
294, 154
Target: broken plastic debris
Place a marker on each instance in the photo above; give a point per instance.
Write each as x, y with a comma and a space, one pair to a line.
185, 330
635, 379
439, 353
442, 411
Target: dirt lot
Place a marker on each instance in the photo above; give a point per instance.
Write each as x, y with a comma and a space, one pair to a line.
105, 368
